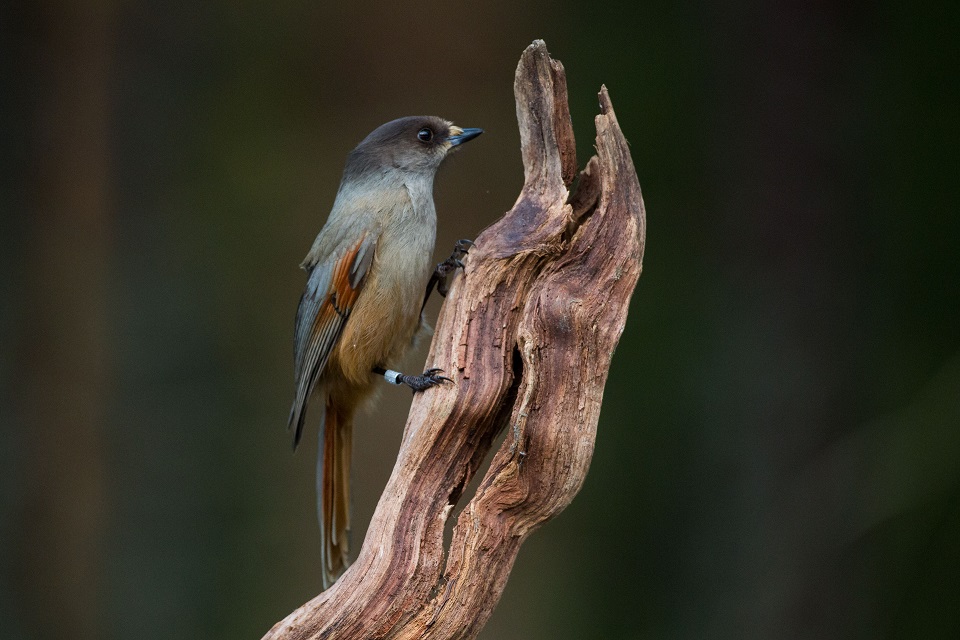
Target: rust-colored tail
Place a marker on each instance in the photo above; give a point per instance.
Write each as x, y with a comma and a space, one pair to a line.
333, 491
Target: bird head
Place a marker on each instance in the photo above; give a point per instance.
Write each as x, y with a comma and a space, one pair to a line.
417, 144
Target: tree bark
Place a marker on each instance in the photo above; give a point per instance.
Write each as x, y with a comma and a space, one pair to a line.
527, 334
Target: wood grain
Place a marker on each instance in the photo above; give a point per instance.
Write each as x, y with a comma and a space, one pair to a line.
527, 334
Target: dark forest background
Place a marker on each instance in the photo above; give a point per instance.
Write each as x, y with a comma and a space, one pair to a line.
779, 450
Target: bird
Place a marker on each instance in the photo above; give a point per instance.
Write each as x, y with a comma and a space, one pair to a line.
369, 275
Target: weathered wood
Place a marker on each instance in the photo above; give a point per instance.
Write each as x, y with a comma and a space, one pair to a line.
527, 333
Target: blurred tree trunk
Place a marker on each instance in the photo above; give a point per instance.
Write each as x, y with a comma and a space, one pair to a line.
786, 189
61, 312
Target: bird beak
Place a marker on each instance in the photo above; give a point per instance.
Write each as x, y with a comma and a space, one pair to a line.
462, 135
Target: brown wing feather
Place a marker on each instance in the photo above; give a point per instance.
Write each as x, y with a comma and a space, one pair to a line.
332, 290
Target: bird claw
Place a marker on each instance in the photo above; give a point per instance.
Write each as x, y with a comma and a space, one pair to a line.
451, 264
427, 379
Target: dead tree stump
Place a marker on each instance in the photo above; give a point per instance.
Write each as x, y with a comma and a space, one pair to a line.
527, 334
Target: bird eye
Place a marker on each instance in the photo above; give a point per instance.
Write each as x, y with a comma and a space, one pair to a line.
425, 134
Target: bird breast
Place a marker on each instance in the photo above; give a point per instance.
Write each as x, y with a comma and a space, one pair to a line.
387, 312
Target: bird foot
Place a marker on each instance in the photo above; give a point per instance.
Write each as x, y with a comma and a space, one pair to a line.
427, 379
450, 265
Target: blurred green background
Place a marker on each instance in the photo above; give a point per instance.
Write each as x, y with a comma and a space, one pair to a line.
779, 450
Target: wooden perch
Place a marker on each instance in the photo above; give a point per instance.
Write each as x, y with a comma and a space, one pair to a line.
527, 333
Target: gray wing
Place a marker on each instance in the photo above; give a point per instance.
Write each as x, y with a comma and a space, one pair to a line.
332, 289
